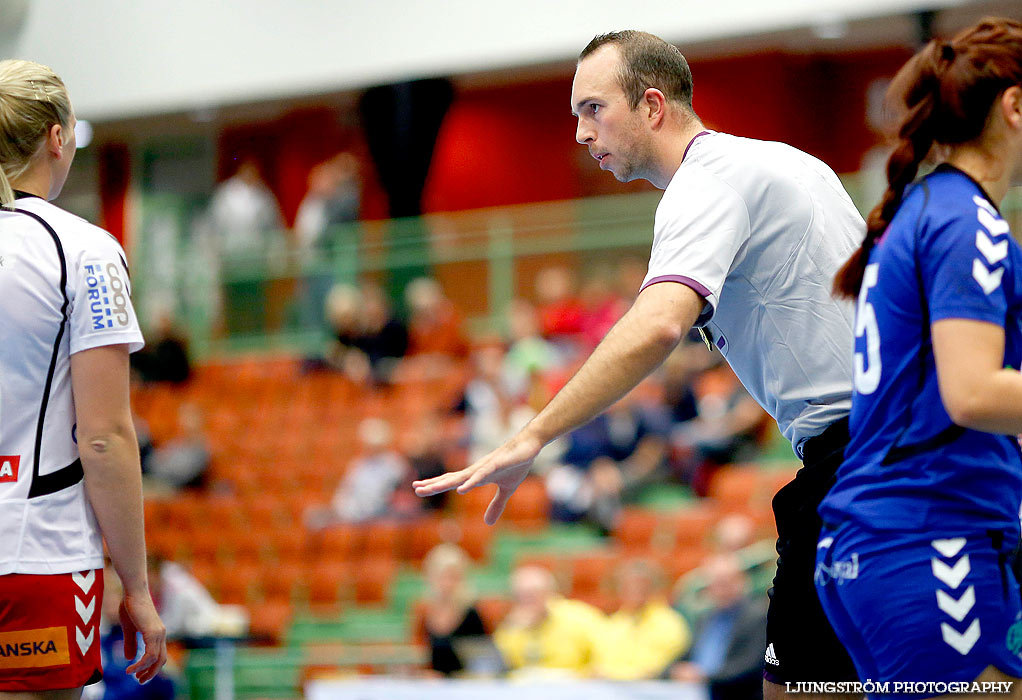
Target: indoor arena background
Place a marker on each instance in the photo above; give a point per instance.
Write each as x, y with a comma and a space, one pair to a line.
285, 176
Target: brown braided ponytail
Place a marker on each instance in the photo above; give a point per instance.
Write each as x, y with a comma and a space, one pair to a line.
944, 94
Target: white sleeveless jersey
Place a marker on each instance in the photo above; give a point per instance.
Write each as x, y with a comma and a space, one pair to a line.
63, 289
759, 230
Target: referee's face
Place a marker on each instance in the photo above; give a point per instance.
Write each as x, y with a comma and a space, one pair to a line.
613, 132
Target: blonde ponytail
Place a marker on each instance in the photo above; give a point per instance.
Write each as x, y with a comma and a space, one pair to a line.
32, 100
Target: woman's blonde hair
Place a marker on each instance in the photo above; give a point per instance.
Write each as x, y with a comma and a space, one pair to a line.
443, 557
32, 100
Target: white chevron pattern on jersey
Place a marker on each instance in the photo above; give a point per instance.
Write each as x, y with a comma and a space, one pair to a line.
85, 611
988, 281
85, 580
84, 641
961, 642
949, 548
993, 252
952, 576
957, 609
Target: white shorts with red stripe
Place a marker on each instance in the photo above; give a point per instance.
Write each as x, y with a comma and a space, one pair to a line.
49, 630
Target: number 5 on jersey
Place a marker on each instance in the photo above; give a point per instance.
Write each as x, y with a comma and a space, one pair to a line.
867, 379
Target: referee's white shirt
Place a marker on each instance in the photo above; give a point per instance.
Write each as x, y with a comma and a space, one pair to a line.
759, 229
63, 289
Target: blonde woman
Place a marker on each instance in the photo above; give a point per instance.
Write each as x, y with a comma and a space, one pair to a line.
69, 465
449, 611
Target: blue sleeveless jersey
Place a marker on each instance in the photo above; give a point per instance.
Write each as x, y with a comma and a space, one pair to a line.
946, 254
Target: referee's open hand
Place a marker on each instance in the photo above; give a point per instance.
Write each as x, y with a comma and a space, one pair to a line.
507, 467
138, 614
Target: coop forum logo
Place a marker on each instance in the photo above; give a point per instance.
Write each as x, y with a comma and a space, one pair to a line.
107, 296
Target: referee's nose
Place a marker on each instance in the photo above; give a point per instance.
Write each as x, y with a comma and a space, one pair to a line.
584, 133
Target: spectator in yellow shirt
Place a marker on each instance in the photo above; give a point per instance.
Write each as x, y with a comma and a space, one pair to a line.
645, 635
544, 633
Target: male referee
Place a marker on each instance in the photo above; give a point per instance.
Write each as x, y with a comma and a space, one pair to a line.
747, 239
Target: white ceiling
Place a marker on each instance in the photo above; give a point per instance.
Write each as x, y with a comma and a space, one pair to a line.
131, 58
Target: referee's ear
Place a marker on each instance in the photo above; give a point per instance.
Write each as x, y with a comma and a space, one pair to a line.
655, 105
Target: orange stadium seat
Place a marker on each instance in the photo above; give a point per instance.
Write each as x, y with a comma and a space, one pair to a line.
529, 509
325, 583
337, 543
592, 573
693, 525
423, 535
372, 580
493, 610
281, 583
635, 529
269, 620
383, 540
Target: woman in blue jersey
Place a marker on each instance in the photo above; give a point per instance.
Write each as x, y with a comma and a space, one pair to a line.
913, 563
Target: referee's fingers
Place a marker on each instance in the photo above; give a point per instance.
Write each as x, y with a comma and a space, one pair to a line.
496, 507
439, 484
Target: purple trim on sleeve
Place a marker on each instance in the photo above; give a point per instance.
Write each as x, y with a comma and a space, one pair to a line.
701, 133
707, 313
687, 281
772, 678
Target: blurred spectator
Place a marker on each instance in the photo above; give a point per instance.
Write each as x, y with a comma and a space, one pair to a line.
117, 684
609, 460
187, 609
529, 353
645, 635
368, 488
427, 451
493, 414
165, 356
334, 197
727, 652
733, 533
244, 213
727, 429
246, 227
367, 341
184, 461
603, 307
383, 339
434, 327
678, 375
332, 200
545, 634
448, 614
559, 308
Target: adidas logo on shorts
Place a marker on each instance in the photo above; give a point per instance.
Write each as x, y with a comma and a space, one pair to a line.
770, 657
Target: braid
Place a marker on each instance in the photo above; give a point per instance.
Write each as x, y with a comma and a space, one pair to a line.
945, 93
920, 85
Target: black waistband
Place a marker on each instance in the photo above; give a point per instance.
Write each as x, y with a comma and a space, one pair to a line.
820, 447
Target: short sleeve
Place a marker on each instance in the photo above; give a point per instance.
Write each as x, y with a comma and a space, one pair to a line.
701, 224
101, 310
967, 264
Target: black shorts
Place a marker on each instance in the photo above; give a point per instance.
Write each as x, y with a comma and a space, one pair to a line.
801, 645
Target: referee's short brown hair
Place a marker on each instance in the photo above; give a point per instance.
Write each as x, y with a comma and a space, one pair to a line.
647, 61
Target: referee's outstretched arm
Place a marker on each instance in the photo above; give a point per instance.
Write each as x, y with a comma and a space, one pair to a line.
113, 482
637, 344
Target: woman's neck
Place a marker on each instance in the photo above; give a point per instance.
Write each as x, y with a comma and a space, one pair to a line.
986, 166
33, 181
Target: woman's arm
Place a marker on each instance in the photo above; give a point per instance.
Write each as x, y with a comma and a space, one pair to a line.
113, 482
977, 391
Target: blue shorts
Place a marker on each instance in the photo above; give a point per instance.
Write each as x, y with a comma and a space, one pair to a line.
920, 607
